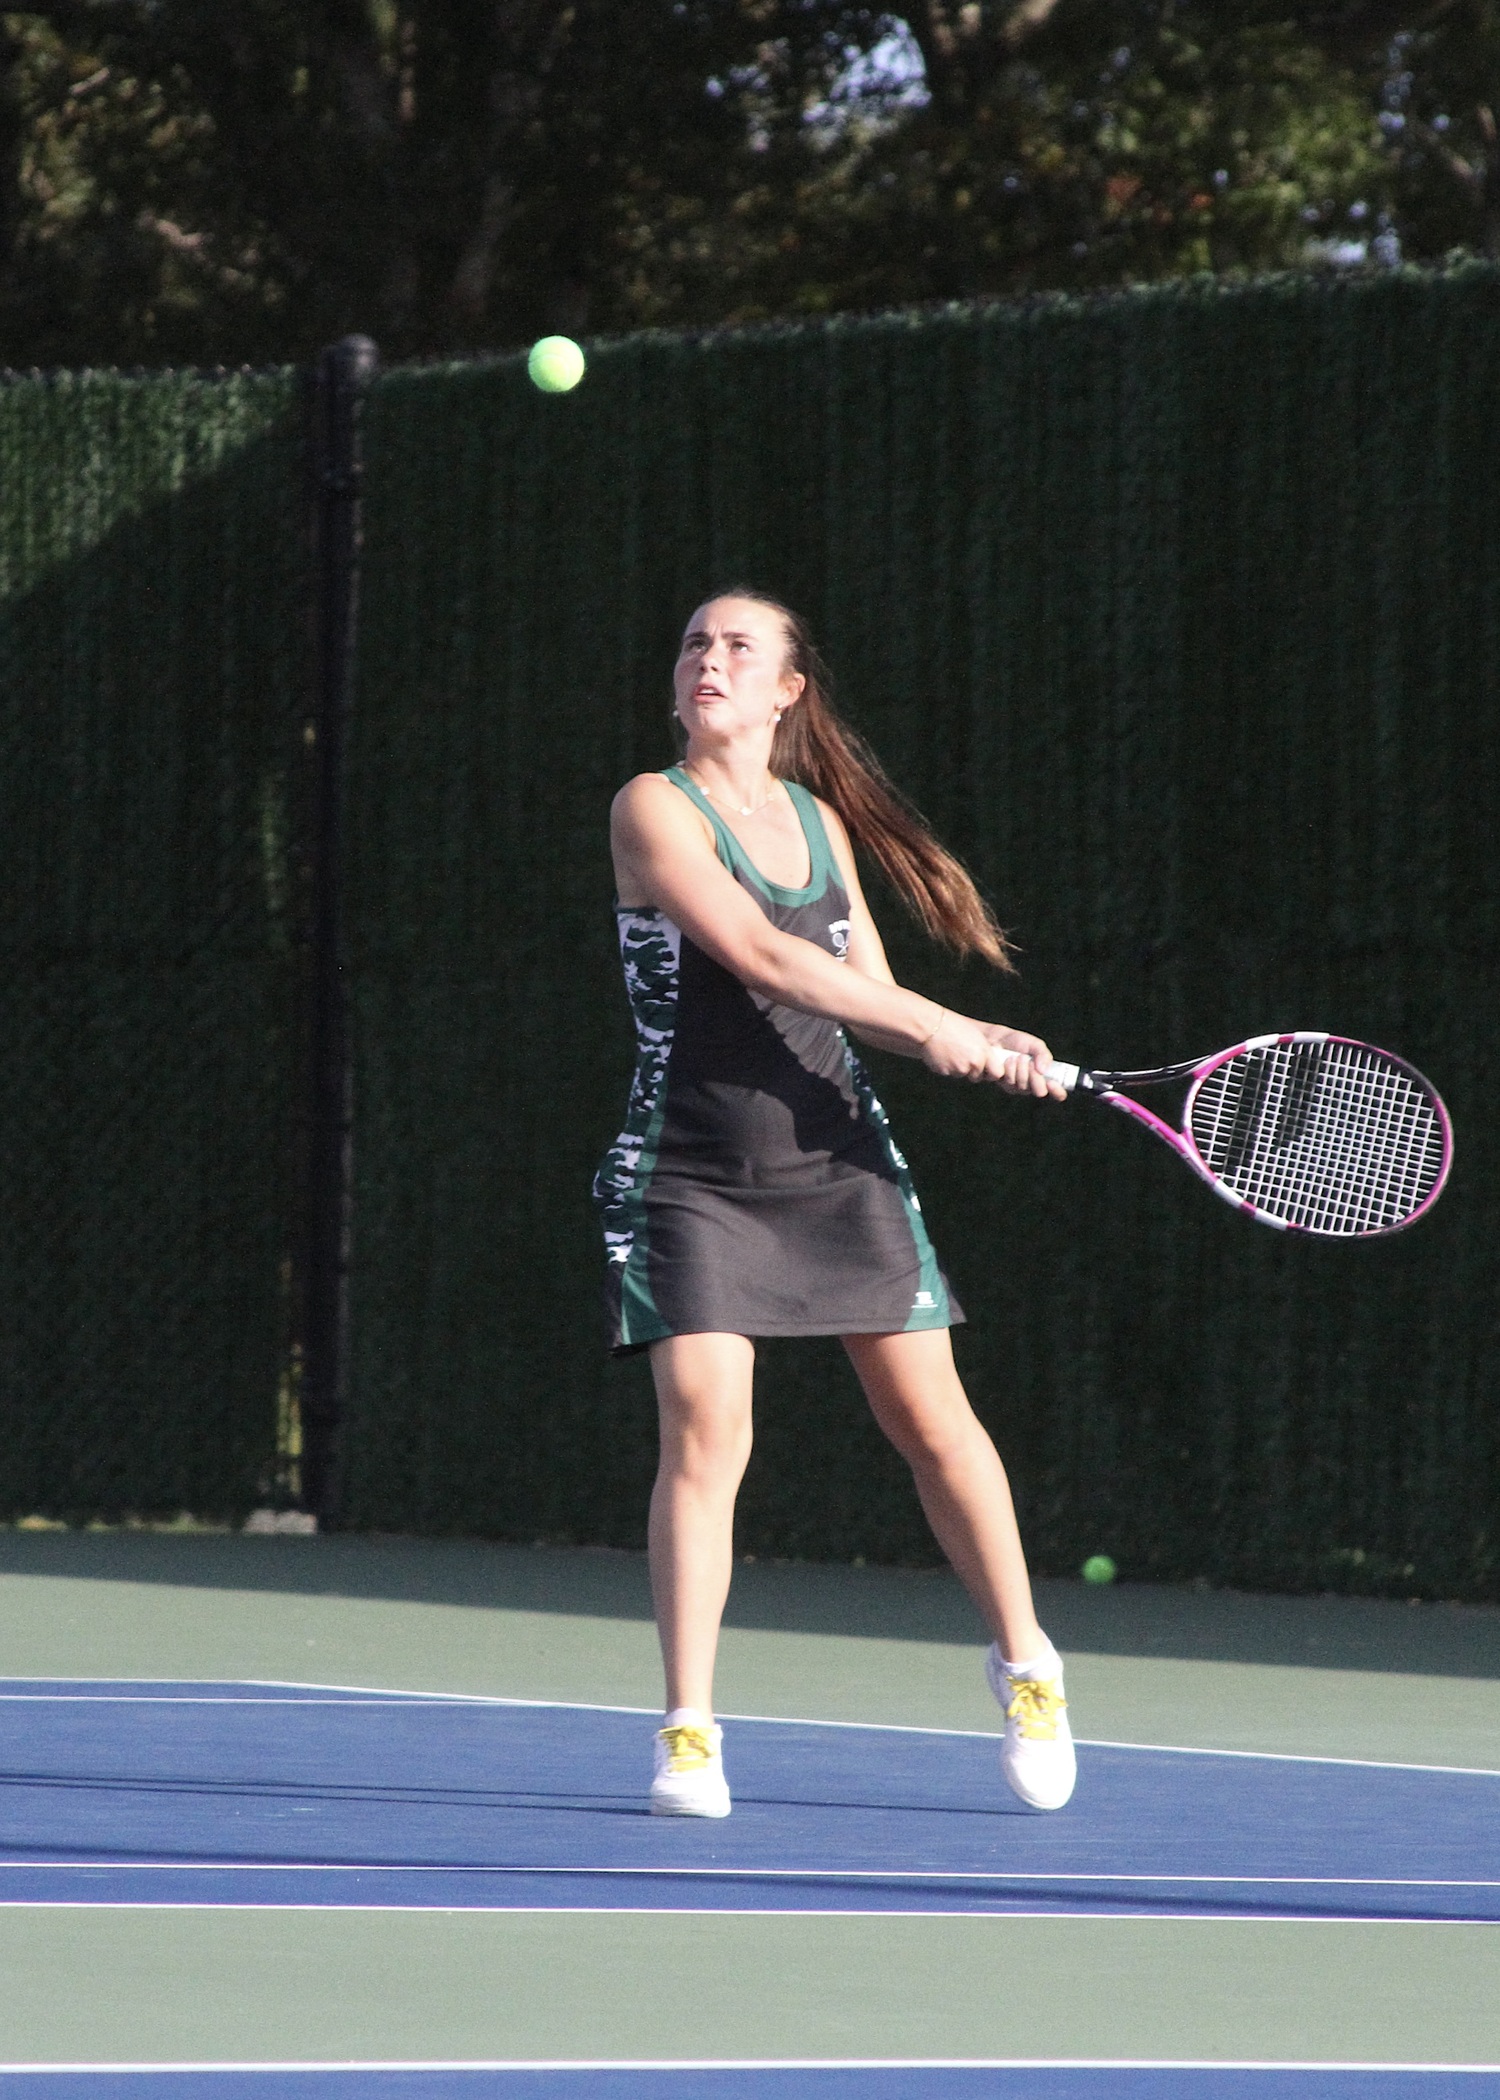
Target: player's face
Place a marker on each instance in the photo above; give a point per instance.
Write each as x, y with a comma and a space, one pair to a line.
732, 674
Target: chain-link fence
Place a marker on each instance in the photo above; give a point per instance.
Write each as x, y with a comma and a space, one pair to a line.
153, 614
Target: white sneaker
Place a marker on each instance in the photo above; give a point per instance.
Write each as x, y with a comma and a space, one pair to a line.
1036, 1754
689, 1777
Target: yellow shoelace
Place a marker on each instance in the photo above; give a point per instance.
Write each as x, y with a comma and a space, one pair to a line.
688, 1748
1036, 1707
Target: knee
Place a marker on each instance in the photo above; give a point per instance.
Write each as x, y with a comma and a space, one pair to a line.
932, 1438
704, 1437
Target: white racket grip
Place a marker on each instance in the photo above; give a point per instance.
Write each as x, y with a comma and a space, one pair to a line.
1065, 1075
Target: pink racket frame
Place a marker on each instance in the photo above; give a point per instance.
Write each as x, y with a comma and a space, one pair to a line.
1182, 1144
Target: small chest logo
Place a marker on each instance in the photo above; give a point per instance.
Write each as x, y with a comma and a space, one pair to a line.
838, 933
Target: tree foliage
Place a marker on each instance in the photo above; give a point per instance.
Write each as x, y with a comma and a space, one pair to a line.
195, 183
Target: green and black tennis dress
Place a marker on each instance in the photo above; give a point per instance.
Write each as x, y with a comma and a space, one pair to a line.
756, 1188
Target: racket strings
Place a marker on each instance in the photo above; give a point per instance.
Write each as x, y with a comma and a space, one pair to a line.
1336, 1138
1356, 1157
1359, 1165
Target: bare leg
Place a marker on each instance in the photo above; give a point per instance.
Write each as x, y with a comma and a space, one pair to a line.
915, 1394
703, 1390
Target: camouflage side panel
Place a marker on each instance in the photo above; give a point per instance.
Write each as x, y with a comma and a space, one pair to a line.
651, 951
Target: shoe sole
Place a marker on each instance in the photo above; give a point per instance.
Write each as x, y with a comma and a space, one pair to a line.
1031, 1801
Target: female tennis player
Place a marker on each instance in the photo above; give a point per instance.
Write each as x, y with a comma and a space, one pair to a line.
756, 1188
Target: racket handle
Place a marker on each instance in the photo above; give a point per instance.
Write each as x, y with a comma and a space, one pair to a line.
1065, 1075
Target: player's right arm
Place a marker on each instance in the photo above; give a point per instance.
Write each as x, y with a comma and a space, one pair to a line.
664, 856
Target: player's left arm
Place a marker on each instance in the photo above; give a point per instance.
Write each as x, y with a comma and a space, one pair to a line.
867, 955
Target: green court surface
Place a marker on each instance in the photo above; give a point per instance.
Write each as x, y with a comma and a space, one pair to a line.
1322, 1677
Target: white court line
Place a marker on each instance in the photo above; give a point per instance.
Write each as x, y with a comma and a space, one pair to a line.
920, 1875
369, 1695
1293, 1757
665, 1910
364, 1695
768, 2063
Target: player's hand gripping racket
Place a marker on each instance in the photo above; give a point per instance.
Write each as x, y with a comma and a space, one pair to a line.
1310, 1133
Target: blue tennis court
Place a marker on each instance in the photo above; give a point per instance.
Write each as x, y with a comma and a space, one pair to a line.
161, 1793
352, 1817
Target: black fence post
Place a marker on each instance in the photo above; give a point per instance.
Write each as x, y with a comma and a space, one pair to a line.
344, 371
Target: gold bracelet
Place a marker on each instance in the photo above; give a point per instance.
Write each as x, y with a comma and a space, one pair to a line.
937, 1024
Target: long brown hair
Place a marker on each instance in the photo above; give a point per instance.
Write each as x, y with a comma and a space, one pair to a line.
816, 747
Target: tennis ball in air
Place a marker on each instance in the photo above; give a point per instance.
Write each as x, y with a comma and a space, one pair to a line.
1098, 1568
555, 364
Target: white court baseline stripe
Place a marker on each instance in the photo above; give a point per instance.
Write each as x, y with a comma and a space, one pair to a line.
1292, 1757
667, 1910
768, 2063
364, 1695
961, 1876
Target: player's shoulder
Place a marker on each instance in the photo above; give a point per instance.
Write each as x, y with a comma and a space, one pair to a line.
645, 791
648, 802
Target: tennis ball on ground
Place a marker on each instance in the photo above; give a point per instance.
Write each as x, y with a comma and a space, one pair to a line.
1098, 1568
556, 364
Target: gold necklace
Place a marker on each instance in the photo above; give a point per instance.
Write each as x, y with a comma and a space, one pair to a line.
741, 809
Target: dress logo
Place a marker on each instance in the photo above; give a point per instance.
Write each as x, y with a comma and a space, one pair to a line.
923, 1302
838, 933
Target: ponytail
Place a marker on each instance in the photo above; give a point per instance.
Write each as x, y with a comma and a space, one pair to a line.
817, 749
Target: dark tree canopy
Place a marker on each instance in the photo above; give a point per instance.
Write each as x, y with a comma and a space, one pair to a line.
224, 183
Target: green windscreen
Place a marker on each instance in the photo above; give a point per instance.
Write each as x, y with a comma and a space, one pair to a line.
152, 686
1179, 615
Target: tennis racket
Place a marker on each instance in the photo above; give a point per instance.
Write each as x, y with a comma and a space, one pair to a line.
1310, 1133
